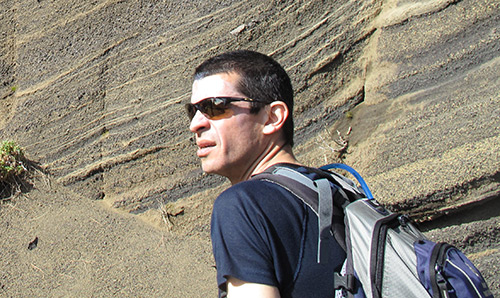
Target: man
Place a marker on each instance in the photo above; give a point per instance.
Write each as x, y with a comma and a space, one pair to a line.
264, 238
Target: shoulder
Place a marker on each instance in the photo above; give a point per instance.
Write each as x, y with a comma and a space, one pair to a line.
257, 232
258, 205
252, 187
256, 195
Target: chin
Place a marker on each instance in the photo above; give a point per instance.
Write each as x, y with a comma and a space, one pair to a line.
208, 168
212, 169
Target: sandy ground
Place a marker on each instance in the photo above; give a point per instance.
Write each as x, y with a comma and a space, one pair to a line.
85, 249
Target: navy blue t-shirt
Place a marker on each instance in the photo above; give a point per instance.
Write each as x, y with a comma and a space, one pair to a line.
261, 233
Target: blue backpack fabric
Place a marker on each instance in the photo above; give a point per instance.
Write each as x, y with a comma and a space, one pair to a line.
447, 272
387, 256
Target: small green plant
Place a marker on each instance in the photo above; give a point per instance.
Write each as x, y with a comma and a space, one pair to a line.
12, 167
11, 160
349, 115
13, 88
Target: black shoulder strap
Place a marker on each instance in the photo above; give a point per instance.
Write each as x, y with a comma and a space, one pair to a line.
326, 202
317, 194
307, 194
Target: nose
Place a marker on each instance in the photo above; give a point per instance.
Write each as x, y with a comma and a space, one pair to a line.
199, 123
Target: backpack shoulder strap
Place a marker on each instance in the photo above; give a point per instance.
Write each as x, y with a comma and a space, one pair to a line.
327, 202
318, 195
288, 178
347, 188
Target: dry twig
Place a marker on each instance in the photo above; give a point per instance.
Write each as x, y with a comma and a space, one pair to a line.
342, 143
168, 211
37, 268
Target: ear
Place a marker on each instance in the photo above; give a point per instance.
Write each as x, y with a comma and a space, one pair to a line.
277, 113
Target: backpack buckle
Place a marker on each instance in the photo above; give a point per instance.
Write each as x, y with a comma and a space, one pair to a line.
346, 282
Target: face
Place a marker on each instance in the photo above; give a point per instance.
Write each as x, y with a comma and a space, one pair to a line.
228, 145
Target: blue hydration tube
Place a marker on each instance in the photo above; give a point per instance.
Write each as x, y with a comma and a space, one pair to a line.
360, 179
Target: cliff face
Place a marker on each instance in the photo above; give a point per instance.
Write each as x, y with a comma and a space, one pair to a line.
94, 92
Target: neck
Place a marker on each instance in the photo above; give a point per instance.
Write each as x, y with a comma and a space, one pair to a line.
274, 155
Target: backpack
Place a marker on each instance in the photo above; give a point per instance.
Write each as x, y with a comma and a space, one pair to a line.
387, 256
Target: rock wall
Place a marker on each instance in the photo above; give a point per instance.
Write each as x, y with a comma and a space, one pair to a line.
94, 92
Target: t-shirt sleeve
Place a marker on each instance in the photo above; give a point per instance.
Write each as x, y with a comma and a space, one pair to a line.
246, 220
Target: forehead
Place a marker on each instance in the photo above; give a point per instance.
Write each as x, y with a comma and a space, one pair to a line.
223, 84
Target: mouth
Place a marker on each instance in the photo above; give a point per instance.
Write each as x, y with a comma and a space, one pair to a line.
204, 147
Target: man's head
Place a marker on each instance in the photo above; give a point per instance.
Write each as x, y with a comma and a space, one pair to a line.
261, 79
238, 113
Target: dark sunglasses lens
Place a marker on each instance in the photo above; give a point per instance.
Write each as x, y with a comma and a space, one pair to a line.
212, 107
191, 110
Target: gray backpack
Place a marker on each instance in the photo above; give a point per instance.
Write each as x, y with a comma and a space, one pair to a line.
387, 256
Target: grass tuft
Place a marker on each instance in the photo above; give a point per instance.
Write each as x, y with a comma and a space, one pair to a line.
11, 160
12, 169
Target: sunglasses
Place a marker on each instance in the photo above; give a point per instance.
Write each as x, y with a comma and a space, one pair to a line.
213, 107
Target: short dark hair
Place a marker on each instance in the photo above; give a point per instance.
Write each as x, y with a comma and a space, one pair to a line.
261, 78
